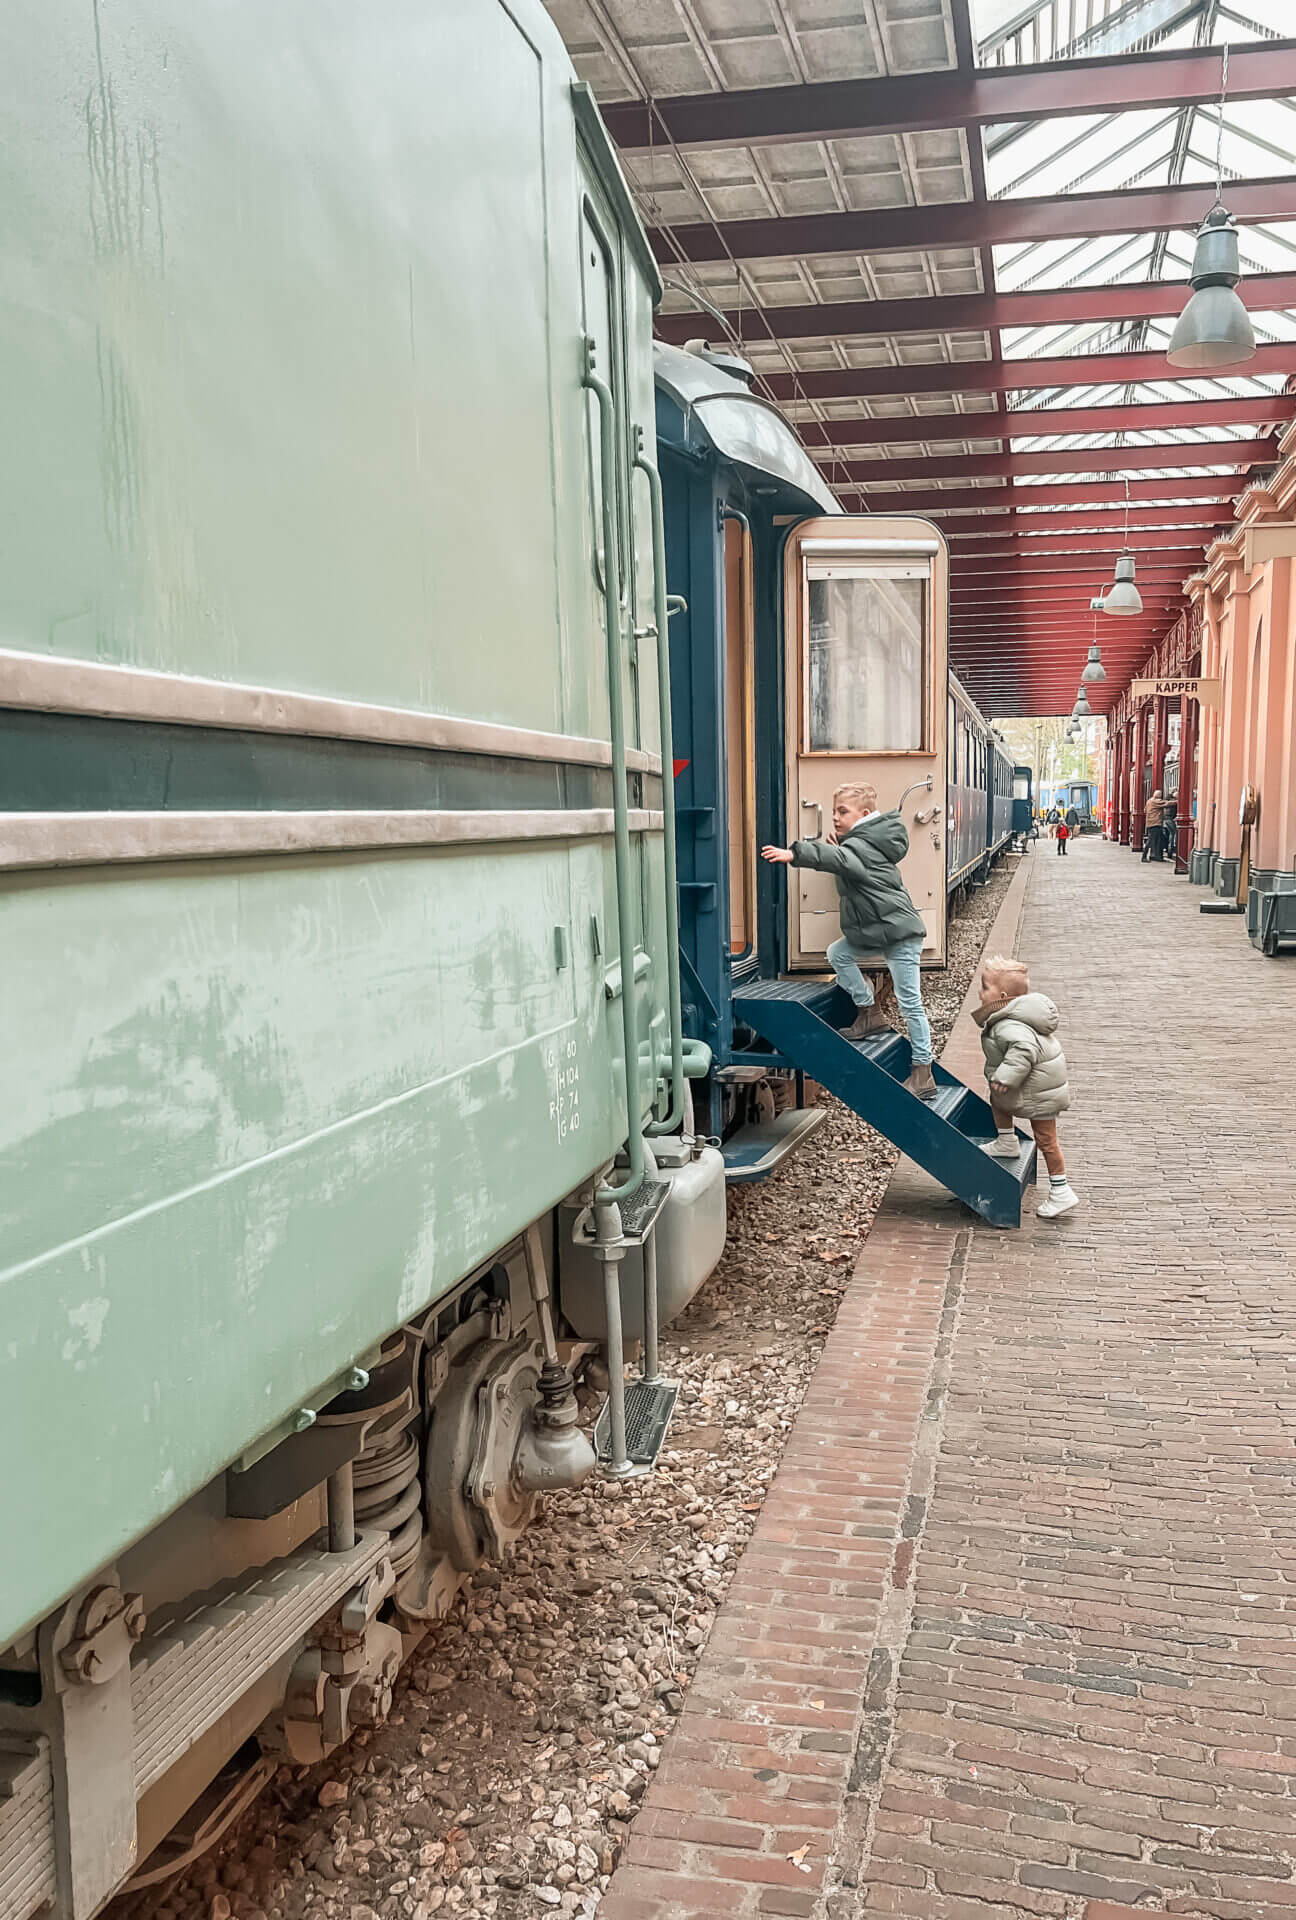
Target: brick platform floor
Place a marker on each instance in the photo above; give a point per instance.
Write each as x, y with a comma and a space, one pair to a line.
1014, 1635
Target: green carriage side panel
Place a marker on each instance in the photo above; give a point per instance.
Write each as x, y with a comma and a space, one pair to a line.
269, 1111
282, 374
290, 336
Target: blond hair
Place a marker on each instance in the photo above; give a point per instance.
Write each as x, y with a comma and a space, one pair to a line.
1014, 975
865, 798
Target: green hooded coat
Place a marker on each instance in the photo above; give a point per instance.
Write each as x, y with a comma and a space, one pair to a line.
876, 910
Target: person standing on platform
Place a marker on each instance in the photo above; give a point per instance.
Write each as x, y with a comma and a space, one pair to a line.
1027, 1071
862, 853
1153, 830
1063, 833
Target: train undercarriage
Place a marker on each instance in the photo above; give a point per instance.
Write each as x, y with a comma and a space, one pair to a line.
268, 1618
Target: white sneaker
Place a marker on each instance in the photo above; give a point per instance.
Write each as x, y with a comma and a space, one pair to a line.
1001, 1148
1057, 1200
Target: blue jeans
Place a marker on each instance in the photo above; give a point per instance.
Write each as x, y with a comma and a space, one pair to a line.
904, 965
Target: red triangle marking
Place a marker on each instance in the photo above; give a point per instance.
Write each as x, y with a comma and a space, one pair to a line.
679, 766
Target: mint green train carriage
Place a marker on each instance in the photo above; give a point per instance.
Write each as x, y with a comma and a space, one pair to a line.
335, 871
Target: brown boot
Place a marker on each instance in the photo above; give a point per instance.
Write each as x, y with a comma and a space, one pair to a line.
868, 1021
922, 1081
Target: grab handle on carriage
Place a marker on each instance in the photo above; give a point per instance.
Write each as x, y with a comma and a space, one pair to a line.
661, 615
620, 798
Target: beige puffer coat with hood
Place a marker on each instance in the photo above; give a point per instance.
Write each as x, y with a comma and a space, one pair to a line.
1023, 1054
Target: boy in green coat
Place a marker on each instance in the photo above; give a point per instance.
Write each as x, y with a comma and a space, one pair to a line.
862, 853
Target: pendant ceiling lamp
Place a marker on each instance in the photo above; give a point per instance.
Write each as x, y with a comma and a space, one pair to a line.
1082, 707
1123, 597
1214, 329
1094, 669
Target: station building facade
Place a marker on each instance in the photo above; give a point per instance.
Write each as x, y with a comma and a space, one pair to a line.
1211, 719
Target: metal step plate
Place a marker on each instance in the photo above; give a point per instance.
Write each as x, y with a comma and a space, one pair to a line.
649, 1408
639, 1210
753, 1151
1023, 1167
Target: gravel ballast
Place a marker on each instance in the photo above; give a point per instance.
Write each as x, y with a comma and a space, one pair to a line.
527, 1725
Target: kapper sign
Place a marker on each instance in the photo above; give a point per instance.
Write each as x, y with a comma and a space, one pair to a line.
1171, 687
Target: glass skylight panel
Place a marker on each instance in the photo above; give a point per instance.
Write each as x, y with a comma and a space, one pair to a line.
1070, 263
1049, 158
1270, 16
1080, 336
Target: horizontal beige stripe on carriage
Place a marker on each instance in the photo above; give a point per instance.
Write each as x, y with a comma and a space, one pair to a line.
53, 684
33, 840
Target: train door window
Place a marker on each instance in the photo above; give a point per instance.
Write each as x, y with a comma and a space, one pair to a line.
865, 682
951, 742
740, 736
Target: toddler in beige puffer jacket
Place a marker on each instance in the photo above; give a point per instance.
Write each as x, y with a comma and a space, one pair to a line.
1027, 1071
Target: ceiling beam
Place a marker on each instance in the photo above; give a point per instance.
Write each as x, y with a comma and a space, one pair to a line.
965, 223
1079, 622
967, 466
999, 555
1072, 647
921, 102
1005, 566
1029, 574
1017, 590
1016, 622
1004, 604
964, 533
976, 312
1263, 410
1035, 588
945, 502
985, 376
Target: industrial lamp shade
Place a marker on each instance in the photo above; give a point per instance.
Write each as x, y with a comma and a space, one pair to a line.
1094, 668
1214, 329
1082, 707
1124, 597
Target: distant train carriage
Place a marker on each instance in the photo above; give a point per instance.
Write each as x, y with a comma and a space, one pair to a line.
808, 649
335, 876
979, 792
1065, 794
1023, 806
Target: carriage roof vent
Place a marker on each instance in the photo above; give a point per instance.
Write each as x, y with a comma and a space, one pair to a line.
723, 361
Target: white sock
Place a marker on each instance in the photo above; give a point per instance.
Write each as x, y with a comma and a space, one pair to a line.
1008, 1136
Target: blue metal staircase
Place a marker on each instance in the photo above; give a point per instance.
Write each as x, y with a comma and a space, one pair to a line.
947, 1136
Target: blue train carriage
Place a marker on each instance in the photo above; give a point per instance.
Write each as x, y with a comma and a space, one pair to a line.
1082, 795
979, 789
1002, 794
335, 874
807, 650
1023, 805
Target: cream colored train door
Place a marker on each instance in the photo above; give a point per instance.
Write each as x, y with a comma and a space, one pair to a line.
865, 621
